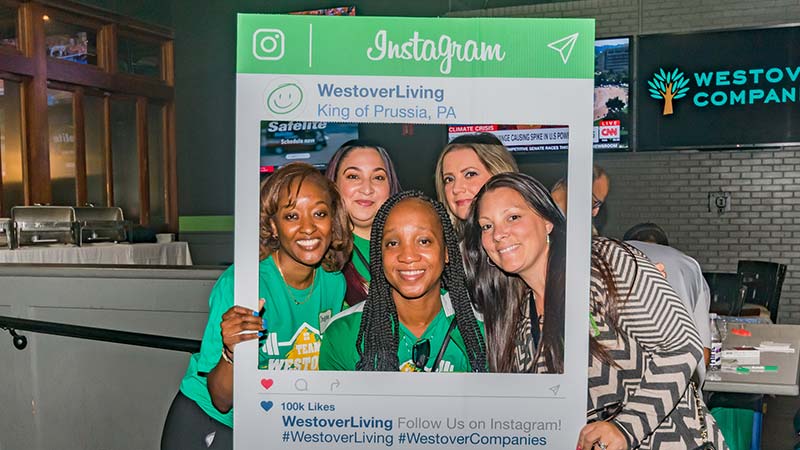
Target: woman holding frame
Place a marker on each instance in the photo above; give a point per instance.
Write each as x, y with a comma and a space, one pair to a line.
305, 237
643, 345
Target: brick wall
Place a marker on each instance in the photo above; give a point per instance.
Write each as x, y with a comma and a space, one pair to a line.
632, 17
671, 188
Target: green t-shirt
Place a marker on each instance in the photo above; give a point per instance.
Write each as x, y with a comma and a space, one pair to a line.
339, 342
362, 245
294, 330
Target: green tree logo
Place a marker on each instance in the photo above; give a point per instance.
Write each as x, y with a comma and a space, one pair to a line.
669, 86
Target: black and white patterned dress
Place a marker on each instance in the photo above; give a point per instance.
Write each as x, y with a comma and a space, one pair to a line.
656, 354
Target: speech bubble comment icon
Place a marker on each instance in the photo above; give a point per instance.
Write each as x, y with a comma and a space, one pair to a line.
301, 385
285, 98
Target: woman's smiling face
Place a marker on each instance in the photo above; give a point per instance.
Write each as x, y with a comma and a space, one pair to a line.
463, 175
303, 223
363, 183
414, 252
512, 233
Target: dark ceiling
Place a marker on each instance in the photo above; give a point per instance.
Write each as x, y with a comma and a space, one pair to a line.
161, 12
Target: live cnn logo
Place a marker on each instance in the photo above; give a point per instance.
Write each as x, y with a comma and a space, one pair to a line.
609, 128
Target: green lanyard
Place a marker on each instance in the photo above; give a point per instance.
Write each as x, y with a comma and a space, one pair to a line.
595, 328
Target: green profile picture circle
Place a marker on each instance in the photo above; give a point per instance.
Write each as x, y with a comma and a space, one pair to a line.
285, 98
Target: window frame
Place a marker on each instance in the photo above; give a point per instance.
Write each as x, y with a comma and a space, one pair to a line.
31, 64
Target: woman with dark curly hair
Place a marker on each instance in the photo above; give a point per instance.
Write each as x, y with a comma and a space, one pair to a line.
305, 239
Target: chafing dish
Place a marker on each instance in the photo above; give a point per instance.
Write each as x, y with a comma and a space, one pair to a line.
101, 225
34, 225
5, 232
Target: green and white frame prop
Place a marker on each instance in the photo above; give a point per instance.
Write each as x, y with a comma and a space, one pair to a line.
424, 71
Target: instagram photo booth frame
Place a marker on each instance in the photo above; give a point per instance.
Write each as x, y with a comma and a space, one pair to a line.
488, 71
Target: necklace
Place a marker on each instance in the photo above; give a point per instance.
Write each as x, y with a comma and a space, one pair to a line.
532, 312
286, 284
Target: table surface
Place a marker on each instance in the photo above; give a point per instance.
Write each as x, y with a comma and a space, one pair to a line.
164, 254
782, 382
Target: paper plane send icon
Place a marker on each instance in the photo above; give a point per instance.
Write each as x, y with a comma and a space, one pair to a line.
564, 46
555, 389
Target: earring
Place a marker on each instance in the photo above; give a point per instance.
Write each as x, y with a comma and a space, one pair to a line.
548, 239
489, 261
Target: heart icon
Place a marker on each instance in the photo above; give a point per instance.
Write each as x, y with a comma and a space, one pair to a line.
266, 382
266, 405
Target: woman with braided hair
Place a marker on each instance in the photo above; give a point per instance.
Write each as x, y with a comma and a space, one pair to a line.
417, 316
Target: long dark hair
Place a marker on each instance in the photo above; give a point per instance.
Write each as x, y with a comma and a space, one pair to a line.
500, 296
379, 335
356, 284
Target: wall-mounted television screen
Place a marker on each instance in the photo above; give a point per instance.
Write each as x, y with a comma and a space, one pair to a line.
338, 11
519, 138
309, 142
611, 100
612, 120
718, 89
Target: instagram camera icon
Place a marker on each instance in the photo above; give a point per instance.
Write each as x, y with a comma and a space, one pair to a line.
268, 44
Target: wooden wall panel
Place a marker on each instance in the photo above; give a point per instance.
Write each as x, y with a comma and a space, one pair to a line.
79, 121
36, 153
144, 167
31, 65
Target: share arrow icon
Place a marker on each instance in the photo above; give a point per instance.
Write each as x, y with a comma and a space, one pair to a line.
555, 389
564, 46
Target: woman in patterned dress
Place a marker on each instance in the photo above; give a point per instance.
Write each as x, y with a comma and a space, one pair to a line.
643, 345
